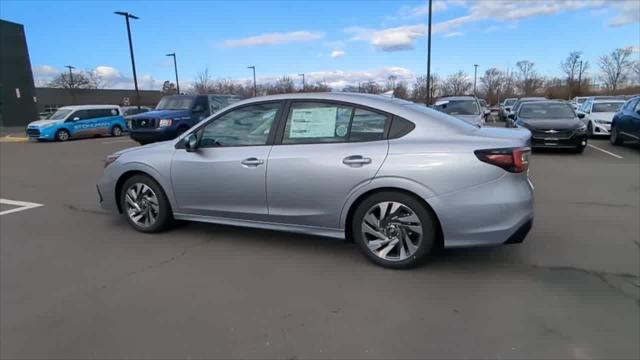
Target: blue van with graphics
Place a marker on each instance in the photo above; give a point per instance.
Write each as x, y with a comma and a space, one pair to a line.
79, 121
174, 115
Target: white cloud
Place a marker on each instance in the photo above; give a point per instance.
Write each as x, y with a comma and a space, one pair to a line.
45, 70
635, 49
274, 39
392, 39
629, 12
338, 79
404, 37
111, 77
453, 34
337, 53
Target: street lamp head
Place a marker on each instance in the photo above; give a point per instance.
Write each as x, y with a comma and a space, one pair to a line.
251, 67
125, 14
172, 54
70, 67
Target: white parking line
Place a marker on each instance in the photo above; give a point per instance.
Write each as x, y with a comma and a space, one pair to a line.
22, 205
605, 151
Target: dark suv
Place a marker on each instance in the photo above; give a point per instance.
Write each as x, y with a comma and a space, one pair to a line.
174, 115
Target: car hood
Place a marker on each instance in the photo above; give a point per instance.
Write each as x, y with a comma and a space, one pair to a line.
162, 114
558, 124
168, 143
605, 116
45, 122
473, 119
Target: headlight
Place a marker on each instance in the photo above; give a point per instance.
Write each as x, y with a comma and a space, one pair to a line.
164, 123
601, 122
110, 159
129, 124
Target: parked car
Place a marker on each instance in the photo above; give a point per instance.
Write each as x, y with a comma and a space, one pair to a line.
398, 178
466, 108
553, 124
625, 125
79, 121
514, 108
174, 115
598, 114
128, 111
505, 107
578, 101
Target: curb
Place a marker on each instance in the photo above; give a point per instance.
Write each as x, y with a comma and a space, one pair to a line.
12, 139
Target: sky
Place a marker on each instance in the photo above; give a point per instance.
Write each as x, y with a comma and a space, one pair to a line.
340, 42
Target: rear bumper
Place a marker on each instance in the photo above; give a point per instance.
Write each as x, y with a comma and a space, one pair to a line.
494, 213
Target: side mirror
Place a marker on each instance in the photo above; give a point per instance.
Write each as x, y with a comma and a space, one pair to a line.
581, 115
487, 112
512, 116
76, 118
190, 142
507, 108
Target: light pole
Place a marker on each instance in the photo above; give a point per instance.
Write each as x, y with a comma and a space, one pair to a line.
303, 85
429, 57
175, 67
133, 61
73, 94
255, 87
475, 77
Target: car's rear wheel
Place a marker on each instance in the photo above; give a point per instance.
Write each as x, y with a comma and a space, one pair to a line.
615, 137
62, 135
394, 229
145, 205
116, 131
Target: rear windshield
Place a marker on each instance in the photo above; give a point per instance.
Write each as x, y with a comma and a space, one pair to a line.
607, 107
458, 107
546, 111
441, 117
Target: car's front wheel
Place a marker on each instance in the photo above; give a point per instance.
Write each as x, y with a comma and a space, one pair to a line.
145, 204
590, 129
615, 137
62, 135
394, 229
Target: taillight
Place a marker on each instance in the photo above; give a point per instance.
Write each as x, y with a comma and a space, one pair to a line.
515, 160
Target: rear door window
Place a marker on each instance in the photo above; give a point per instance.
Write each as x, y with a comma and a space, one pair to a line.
317, 122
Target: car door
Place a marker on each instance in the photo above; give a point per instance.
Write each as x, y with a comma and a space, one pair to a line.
633, 122
323, 152
78, 123
225, 176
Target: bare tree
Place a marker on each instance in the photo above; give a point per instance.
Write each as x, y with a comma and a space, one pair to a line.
401, 90
636, 72
96, 81
615, 68
419, 88
78, 80
528, 80
508, 86
458, 84
491, 82
203, 83
318, 86
370, 87
283, 85
574, 67
169, 88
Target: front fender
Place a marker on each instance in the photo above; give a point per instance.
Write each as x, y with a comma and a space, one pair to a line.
135, 166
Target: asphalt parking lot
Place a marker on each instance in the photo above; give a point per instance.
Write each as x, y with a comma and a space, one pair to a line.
76, 282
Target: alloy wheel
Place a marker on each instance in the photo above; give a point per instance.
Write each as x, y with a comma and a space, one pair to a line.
142, 205
63, 136
392, 231
117, 131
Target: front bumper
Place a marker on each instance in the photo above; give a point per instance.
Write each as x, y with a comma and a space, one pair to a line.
37, 133
578, 140
153, 135
601, 129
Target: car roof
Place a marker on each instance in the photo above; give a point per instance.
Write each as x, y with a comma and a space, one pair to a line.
461, 97
88, 107
547, 101
611, 100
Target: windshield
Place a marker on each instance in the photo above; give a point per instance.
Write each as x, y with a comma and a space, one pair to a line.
459, 107
175, 103
59, 115
606, 107
546, 111
581, 100
509, 102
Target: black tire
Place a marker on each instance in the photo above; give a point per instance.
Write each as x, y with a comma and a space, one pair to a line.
427, 220
62, 135
144, 142
116, 130
580, 149
165, 215
590, 130
615, 138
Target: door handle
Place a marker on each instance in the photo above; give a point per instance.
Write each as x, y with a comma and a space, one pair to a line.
356, 160
252, 161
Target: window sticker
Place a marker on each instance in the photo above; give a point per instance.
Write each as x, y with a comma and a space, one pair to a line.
317, 122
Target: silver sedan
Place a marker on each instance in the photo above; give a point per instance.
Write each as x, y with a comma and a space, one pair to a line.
397, 178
